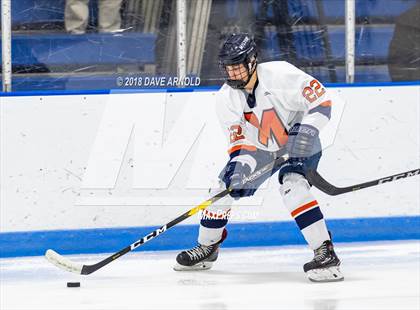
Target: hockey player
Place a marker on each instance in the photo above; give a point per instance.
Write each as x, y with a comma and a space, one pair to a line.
266, 109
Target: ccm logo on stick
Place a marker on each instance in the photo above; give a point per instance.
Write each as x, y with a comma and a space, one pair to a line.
399, 176
153, 234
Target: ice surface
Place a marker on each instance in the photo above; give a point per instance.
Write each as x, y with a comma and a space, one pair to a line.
377, 276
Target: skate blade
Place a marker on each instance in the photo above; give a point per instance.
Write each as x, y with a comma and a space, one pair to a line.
330, 274
199, 266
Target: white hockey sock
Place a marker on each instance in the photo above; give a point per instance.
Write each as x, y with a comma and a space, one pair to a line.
208, 236
304, 209
214, 219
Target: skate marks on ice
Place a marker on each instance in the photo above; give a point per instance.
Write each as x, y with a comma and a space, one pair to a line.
377, 276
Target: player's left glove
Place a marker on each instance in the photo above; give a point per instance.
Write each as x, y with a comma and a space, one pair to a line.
303, 142
233, 175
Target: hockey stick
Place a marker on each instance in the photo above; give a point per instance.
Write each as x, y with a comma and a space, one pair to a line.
319, 182
66, 264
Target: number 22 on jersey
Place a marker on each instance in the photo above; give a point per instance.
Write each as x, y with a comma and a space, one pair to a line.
313, 91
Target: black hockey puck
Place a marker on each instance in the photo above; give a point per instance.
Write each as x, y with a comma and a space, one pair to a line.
73, 284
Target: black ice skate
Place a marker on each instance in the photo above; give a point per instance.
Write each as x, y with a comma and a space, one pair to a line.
325, 267
200, 257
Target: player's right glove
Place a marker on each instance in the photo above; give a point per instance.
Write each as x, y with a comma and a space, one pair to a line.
233, 175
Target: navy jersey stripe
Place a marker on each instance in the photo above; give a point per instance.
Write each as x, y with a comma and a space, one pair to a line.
321, 109
241, 152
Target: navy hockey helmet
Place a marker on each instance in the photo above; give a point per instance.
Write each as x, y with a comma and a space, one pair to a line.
236, 50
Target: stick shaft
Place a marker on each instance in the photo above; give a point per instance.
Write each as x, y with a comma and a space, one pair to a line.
323, 185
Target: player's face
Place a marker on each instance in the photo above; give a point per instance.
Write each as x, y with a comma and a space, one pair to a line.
237, 72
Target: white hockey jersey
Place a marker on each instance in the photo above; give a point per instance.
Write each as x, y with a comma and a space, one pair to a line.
284, 96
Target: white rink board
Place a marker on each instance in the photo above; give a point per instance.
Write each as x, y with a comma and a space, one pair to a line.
141, 159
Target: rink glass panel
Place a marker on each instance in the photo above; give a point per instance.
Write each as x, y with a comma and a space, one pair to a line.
387, 40
51, 54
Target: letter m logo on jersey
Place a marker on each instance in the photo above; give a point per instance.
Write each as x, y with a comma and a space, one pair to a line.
270, 127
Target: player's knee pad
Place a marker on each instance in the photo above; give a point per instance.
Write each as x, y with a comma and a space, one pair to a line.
294, 190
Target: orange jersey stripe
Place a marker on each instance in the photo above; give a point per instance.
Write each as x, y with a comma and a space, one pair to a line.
242, 147
326, 103
304, 207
